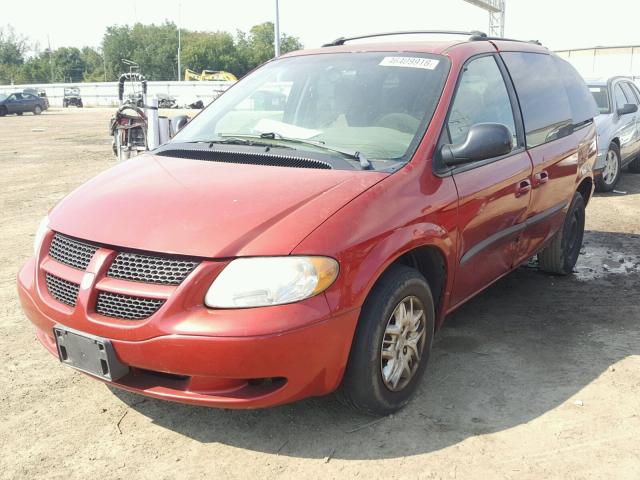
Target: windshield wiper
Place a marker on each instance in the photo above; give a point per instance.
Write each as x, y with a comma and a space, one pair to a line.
236, 140
365, 164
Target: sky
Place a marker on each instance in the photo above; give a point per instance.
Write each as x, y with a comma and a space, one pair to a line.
558, 24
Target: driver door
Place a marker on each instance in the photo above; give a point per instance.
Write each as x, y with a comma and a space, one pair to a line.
14, 103
494, 193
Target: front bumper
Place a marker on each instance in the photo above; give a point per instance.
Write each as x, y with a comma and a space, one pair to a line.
232, 359
599, 165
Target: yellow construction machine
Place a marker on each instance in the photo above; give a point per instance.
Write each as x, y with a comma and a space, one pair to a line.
209, 75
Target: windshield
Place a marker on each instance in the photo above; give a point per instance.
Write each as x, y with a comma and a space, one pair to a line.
374, 104
601, 96
71, 91
2, 97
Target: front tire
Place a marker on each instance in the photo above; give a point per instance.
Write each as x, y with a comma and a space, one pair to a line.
562, 254
391, 345
611, 174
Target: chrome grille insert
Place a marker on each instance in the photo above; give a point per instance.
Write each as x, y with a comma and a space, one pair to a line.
62, 290
71, 252
150, 269
126, 307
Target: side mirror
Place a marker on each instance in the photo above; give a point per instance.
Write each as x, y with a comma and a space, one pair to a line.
484, 140
178, 123
628, 108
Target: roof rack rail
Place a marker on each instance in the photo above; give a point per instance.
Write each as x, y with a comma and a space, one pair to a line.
474, 35
536, 42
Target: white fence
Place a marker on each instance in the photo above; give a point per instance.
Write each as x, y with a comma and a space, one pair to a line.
605, 61
105, 94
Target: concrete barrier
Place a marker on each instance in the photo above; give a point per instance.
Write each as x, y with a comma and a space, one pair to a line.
105, 94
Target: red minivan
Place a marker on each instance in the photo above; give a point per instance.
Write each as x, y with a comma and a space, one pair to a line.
310, 230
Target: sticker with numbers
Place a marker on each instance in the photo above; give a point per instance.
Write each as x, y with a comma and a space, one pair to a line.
410, 62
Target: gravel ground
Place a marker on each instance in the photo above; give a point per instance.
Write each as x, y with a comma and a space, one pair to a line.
537, 377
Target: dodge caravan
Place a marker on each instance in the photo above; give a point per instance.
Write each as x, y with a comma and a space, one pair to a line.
310, 230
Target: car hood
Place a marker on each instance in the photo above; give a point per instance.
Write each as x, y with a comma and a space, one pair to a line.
206, 209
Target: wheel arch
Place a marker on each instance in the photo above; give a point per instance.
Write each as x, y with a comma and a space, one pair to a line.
585, 188
431, 255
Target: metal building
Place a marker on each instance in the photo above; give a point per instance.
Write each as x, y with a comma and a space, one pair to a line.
605, 61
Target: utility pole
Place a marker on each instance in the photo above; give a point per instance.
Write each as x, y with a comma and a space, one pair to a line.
496, 10
50, 60
179, 41
104, 64
277, 28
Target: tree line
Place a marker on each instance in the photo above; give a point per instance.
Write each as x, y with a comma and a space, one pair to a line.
153, 47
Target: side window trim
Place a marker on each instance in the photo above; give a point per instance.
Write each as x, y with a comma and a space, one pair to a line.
615, 97
515, 102
628, 90
515, 109
634, 88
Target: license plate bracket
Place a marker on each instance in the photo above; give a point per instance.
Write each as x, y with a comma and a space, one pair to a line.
89, 353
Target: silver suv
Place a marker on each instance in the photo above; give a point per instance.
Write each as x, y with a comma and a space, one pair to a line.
618, 128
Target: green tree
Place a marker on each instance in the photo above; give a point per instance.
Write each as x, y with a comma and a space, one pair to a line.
258, 46
37, 69
68, 65
93, 65
210, 51
12, 46
153, 47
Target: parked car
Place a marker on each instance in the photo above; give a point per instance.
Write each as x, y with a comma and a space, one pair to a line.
20, 103
38, 92
263, 256
72, 98
618, 127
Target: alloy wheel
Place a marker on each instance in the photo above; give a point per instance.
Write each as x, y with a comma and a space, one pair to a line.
403, 343
610, 171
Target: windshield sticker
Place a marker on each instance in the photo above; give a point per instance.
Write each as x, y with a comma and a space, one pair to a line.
410, 62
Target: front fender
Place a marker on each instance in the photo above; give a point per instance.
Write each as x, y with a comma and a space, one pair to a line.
409, 209
361, 274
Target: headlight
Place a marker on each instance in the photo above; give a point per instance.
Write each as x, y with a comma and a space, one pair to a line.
262, 281
40, 233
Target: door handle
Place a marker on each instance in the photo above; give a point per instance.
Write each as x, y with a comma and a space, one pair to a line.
540, 178
523, 187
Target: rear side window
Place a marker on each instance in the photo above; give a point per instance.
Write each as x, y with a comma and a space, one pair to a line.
543, 97
583, 106
629, 93
634, 89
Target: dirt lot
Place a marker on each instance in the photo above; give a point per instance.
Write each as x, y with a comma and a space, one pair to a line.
538, 377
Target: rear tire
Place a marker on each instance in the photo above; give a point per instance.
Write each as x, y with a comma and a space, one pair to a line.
561, 255
19, 114
607, 180
391, 345
37, 110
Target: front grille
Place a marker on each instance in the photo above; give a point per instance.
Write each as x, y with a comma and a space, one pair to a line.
126, 307
62, 290
71, 252
149, 269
